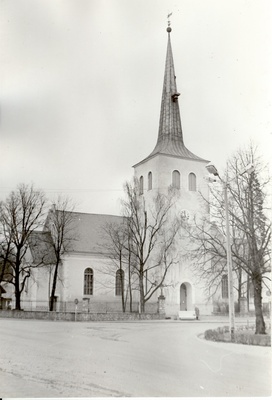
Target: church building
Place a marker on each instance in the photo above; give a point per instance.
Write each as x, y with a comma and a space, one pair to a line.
170, 165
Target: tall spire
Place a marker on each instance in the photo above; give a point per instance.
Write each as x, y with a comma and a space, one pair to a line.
170, 136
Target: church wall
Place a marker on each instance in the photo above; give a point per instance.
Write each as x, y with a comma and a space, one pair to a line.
103, 276
103, 298
179, 275
36, 292
162, 168
70, 285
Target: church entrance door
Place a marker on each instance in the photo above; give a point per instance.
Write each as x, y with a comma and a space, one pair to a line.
183, 297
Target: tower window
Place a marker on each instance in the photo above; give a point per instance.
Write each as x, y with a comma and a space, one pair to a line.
176, 179
192, 182
119, 282
149, 180
224, 283
88, 281
141, 182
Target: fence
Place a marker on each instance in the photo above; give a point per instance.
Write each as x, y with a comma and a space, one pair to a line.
85, 310
86, 306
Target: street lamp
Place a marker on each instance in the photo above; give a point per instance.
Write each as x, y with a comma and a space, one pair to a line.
212, 170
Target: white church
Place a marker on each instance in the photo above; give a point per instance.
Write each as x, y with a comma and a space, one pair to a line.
81, 280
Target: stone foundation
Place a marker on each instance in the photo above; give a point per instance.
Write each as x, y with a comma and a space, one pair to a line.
78, 316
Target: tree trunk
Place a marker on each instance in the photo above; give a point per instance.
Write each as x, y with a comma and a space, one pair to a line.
141, 287
123, 292
17, 289
129, 285
239, 289
248, 283
260, 325
55, 277
129, 278
17, 299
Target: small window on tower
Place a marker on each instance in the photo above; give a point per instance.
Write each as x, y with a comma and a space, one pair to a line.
141, 185
176, 179
192, 182
149, 180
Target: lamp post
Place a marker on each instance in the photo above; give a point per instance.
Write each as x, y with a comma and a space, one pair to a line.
212, 170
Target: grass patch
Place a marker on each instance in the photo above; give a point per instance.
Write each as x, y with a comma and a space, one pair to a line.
242, 335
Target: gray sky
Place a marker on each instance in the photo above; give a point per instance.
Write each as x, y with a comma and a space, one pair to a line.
81, 85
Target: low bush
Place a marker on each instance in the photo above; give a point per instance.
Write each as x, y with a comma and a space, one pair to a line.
242, 335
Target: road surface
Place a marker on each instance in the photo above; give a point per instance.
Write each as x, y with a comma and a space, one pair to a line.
139, 359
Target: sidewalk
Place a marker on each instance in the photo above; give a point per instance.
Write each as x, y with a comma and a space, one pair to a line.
221, 319
225, 318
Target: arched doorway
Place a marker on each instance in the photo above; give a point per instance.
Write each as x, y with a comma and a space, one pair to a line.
186, 297
183, 297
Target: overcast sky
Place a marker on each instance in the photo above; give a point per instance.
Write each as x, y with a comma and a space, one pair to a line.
81, 85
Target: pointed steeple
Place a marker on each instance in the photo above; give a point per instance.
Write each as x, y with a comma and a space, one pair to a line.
170, 131
170, 136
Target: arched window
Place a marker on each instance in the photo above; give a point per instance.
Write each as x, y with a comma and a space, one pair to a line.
141, 182
224, 282
176, 179
119, 282
149, 180
88, 281
192, 182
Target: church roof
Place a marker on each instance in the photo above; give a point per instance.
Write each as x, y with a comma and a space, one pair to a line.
89, 232
170, 137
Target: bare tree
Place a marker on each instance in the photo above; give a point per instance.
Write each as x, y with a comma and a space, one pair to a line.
59, 223
152, 233
5, 252
250, 228
20, 215
122, 267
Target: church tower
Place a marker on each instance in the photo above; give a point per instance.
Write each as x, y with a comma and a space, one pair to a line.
172, 165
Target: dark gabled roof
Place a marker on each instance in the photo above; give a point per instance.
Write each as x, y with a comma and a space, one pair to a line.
86, 232
89, 232
41, 248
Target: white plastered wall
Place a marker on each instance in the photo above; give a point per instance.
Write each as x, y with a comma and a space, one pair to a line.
162, 168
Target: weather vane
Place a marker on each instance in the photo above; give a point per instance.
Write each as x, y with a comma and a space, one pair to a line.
168, 17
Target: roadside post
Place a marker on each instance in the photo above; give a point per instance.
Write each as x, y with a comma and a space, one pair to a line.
76, 303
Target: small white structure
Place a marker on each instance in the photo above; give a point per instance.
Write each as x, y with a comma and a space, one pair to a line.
187, 315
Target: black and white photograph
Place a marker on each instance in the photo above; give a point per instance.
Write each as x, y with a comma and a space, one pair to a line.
135, 198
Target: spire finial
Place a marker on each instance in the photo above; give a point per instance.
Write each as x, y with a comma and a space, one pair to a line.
169, 29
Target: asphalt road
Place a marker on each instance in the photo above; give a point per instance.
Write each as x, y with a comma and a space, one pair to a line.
139, 359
